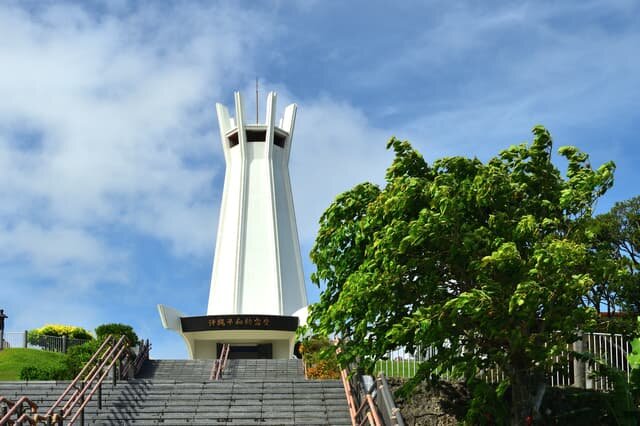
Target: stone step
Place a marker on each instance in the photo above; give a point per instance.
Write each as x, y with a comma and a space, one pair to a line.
262, 369
265, 392
179, 370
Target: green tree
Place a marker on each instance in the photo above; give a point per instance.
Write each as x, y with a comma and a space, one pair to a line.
487, 262
117, 330
618, 236
626, 235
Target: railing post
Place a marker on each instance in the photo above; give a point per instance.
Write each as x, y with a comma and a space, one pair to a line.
26, 338
588, 342
64, 343
131, 364
60, 414
100, 396
114, 373
82, 409
2, 317
579, 371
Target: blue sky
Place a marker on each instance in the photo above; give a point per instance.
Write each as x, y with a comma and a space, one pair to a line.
110, 162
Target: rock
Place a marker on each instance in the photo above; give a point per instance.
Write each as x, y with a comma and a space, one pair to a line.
442, 404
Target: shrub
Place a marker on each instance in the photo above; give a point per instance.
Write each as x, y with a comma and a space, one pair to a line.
57, 330
31, 372
320, 359
117, 330
323, 369
78, 356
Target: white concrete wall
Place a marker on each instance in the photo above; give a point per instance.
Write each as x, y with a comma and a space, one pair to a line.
257, 266
202, 344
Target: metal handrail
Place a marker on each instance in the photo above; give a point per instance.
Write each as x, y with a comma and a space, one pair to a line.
85, 400
361, 410
220, 363
77, 378
385, 403
143, 355
119, 346
16, 408
225, 357
90, 377
350, 400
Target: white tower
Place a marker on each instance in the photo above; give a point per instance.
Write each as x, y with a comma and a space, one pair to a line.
257, 267
257, 297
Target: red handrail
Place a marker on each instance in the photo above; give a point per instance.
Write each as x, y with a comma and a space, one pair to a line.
144, 348
75, 380
347, 391
16, 407
220, 363
98, 383
367, 412
143, 355
91, 378
93, 373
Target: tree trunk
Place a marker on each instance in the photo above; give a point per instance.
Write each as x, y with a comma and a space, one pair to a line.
527, 390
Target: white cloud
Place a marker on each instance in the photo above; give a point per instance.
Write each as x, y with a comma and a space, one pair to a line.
335, 147
30, 306
68, 254
103, 123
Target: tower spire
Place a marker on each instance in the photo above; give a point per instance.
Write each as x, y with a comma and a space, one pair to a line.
257, 296
257, 265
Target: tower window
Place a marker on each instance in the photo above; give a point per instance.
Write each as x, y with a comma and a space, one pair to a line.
256, 135
233, 139
279, 139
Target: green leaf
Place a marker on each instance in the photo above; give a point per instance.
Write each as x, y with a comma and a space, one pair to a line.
494, 263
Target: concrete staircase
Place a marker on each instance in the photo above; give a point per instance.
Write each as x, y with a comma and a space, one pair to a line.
253, 392
180, 370
248, 369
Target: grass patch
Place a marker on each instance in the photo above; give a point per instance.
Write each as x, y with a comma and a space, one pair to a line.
13, 360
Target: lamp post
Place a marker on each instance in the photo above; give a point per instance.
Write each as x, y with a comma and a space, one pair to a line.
2, 317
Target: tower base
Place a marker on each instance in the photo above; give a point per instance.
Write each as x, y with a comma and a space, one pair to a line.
249, 336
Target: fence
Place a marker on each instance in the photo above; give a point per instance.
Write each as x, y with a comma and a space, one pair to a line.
611, 349
15, 339
20, 339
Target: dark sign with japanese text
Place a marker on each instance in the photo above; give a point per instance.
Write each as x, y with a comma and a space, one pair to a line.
239, 322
